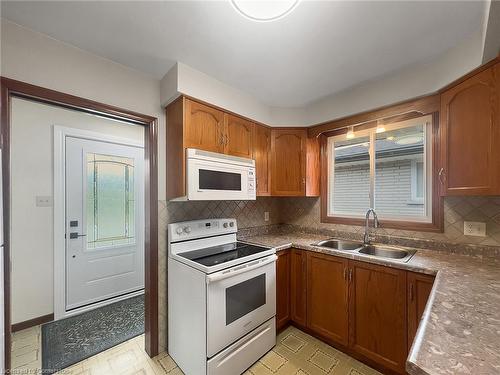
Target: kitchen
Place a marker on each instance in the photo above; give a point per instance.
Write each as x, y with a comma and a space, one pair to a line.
356, 233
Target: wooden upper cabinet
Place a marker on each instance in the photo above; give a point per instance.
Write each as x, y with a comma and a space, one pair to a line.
262, 156
419, 290
238, 136
288, 148
470, 145
298, 283
313, 167
175, 163
282, 288
282, 155
327, 296
203, 127
377, 314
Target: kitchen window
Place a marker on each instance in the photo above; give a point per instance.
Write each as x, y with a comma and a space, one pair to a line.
387, 167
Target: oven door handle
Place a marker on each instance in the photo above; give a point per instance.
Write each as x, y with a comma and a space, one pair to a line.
240, 269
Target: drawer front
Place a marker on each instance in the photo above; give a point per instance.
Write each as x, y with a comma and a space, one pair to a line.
243, 353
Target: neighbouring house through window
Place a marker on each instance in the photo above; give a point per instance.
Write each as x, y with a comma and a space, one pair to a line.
388, 170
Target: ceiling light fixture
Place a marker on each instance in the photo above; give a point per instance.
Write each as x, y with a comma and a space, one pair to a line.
410, 139
380, 128
350, 133
264, 10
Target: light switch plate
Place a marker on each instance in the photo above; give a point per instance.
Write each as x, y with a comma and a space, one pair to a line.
266, 216
44, 201
474, 228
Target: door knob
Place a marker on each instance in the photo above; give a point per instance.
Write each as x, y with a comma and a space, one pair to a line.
75, 235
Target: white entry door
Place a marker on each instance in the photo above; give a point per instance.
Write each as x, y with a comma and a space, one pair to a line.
104, 221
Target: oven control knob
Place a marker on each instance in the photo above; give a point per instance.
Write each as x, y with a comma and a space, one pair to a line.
225, 225
231, 224
187, 229
179, 230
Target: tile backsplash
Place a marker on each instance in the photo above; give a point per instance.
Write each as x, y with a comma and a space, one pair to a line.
305, 213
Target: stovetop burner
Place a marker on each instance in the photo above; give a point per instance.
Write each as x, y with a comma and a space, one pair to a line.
215, 255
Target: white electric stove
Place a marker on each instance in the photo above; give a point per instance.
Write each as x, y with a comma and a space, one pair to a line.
221, 298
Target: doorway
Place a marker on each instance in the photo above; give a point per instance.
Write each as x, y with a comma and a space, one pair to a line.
101, 259
11, 89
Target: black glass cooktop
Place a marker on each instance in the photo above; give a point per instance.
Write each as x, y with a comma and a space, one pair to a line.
215, 255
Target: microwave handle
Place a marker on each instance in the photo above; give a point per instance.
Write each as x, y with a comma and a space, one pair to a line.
239, 269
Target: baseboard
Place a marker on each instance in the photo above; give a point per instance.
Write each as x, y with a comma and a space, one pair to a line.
32, 322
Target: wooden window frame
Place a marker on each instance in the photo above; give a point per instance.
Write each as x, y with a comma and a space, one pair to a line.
437, 211
414, 180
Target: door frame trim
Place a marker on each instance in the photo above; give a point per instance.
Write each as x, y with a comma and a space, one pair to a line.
10, 88
59, 136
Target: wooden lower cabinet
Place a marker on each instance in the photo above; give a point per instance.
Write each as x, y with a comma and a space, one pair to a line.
327, 297
298, 285
377, 314
419, 290
370, 311
282, 289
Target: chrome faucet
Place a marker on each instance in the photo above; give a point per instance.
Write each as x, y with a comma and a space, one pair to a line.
366, 238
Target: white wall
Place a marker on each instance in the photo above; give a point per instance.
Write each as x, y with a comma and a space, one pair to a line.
492, 32
407, 83
40, 60
32, 175
199, 85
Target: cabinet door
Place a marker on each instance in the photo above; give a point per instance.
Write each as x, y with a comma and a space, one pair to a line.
238, 136
282, 288
469, 137
313, 167
298, 286
377, 314
419, 290
262, 156
204, 127
327, 296
288, 162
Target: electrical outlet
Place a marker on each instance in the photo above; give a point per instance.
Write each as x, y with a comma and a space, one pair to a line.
474, 228
44, 201
266, 216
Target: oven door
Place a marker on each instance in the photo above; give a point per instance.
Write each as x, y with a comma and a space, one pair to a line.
239, 299
210, 180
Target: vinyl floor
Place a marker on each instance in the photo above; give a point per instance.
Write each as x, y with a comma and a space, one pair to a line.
296, 353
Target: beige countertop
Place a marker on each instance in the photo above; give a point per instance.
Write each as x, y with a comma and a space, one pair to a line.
460, 330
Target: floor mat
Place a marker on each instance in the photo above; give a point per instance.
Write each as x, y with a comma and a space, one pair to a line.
70, 340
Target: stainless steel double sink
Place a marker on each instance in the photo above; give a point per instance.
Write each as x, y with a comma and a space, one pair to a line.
373, 251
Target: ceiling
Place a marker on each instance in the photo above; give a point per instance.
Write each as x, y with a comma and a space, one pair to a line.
321, 48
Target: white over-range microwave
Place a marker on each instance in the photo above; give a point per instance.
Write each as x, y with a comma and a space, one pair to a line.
213, 176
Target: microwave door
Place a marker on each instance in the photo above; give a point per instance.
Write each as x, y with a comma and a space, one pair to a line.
217, 181
213, 180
